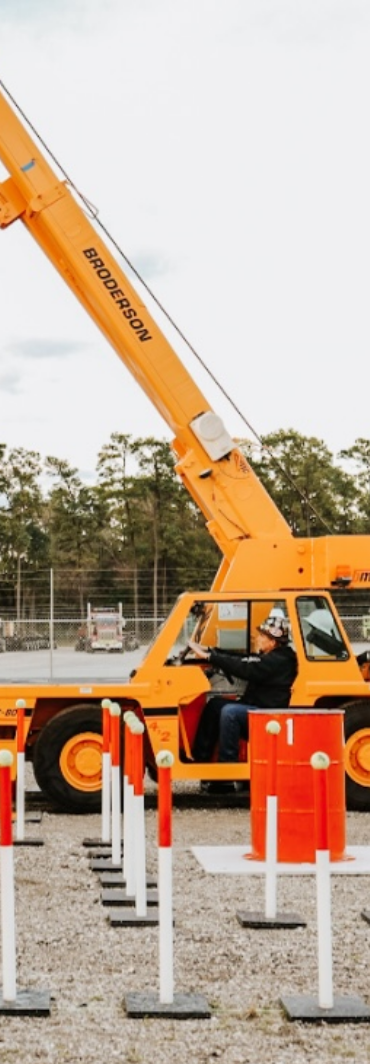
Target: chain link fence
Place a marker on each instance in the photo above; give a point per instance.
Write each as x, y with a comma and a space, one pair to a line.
48, 615
67, 634
42, 651
25, 594
357, 627
39, 635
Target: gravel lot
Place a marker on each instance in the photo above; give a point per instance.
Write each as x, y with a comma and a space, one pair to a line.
66, 944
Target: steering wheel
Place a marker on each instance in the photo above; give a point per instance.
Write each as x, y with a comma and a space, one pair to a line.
184, 653
179, 659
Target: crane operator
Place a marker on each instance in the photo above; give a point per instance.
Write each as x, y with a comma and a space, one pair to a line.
270, 674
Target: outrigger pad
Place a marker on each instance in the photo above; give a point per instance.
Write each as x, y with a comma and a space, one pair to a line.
183, 1006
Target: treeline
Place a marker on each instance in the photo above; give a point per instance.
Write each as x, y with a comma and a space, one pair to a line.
318, 493
135, 535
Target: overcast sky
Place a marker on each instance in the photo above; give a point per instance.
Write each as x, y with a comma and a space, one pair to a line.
226, 145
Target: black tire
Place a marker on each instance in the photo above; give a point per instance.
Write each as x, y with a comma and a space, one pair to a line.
357, 738
50, 760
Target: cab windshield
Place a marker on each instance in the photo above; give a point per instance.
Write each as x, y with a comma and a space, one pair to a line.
230, 625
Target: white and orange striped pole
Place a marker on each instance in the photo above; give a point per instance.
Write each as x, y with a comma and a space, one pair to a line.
20, 784
165, 760
7, 879
128, 808
115, 731
106, 773
137, 730
320, 763
272, 728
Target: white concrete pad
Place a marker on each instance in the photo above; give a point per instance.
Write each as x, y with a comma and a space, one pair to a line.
234, 860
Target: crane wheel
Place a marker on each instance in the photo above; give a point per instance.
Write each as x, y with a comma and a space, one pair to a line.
67, 759
357, 755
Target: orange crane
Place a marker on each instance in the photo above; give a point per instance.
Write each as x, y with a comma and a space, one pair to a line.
263, 565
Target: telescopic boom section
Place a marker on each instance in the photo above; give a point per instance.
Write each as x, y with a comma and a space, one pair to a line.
215, 472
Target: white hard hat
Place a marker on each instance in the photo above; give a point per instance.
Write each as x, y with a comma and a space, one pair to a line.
323, 622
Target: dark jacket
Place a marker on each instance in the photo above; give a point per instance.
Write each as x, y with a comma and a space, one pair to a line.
269, 676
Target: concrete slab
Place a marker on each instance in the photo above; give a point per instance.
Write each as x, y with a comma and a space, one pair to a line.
236, 860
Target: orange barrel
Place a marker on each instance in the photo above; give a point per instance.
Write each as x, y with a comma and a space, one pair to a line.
303, 732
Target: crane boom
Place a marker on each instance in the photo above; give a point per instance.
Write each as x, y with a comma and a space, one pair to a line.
214, 470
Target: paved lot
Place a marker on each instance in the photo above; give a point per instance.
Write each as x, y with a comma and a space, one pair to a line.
61, 664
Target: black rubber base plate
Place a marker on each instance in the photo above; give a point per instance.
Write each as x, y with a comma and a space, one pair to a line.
102, 851
121, 917
96, 842
345, 1009
27, 1003
116, 879
28, 842
29, 818
104, 864
259, 920
119, 897
183, 1006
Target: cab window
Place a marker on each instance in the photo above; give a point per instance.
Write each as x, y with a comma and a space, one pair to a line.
219, 624
321, 637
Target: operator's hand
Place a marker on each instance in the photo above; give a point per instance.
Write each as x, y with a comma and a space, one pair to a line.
198, 650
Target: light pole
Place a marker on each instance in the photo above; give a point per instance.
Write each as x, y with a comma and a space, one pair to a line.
19, 584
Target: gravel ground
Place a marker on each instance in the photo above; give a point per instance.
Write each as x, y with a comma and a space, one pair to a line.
65, 944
